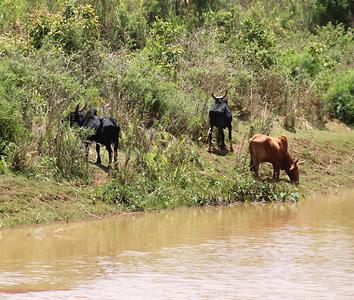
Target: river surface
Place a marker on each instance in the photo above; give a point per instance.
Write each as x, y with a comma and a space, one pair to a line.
266, 251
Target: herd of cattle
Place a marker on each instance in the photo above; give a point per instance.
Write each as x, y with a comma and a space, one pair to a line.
262, 148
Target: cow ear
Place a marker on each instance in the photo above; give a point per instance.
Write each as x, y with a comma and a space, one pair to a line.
77, 107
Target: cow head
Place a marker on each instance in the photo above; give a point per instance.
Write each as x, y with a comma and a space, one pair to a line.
220, 99
77, 116
293, 172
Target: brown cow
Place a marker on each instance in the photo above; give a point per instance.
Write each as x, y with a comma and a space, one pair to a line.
264, 148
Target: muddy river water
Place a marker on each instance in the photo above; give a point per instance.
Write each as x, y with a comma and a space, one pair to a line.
299, 250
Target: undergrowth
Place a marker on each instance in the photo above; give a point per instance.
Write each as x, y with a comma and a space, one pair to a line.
153, 65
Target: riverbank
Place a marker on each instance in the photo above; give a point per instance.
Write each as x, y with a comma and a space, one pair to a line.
327, 157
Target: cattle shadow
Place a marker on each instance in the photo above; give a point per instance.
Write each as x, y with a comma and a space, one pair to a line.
102, 167
270, 179
221, 152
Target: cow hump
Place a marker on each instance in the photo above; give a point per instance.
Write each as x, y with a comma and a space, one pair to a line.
283, 142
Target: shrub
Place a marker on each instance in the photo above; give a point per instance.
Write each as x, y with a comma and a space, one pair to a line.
11, 126
11, 123
74, 29
159, 176
157, 101
256, 43
340, 97
2, 167
225, 21
335, 11
309, 63
246, 188
68, 156
162, 45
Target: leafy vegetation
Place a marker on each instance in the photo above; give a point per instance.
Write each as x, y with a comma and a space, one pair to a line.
340, 97
153, 65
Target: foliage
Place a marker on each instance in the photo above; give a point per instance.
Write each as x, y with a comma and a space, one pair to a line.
162, 174
68, 156
257, 44
340, 97
158, 101
131, 28
11, 123
2, 167
153, 65
73, 29
162, 45
310, 62
335, 11
246, 188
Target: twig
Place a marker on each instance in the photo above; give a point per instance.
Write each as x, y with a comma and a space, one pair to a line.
90, 214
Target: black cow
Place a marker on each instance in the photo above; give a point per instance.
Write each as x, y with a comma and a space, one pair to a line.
220, 116
105, 131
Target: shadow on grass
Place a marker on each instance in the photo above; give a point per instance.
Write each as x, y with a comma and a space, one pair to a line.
221, 152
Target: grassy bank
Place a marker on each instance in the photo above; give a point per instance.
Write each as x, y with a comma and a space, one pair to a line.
328, 166
153, 65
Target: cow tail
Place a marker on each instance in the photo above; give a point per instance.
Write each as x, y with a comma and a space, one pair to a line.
250, 148
116, 141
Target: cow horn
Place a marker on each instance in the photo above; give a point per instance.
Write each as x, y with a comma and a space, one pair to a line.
82, 109
212, 94
225, 94
77, 107
295, 162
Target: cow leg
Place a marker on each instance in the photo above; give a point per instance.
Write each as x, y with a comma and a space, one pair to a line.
256, 168
220, 138
230, 137
98, 154
210, 135
86, 151
276, 173
251, 165
109, 149
254, 165
115, 152
223, 146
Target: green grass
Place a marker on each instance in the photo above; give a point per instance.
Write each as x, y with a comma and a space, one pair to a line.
29, 201
328, 166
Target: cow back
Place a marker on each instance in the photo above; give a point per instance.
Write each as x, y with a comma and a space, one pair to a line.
220, 115
283, 144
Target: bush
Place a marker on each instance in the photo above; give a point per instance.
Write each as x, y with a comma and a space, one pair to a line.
2, 167
158, 176
130, 28
68, 156
11, 123
246, 188
157, 101
162, 45
310, 63
335, 11
11, 126
74, 29
340, 97
256, 43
